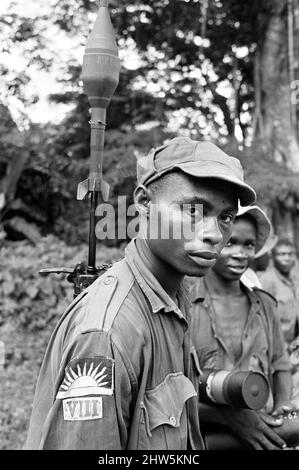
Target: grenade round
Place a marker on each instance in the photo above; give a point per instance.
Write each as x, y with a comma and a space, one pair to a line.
101, 64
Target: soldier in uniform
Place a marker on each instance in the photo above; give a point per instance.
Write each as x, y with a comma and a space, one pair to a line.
235, 328
282, 281
119, 371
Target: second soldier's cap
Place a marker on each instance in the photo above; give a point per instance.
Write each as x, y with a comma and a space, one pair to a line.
198, 159
264, 229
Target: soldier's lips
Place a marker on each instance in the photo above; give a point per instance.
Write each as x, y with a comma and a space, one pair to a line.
205, 258
286, 265
237, 269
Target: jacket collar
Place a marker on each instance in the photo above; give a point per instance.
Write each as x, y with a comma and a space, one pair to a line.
154, 292
199, 292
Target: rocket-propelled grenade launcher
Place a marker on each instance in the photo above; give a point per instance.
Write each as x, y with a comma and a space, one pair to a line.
100, 75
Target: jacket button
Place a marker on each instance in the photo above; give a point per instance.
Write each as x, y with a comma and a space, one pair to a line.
108, 280
172, 420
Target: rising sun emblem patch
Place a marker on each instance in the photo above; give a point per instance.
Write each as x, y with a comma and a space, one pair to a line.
88, 376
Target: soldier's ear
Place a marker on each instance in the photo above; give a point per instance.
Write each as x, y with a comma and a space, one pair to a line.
142, 199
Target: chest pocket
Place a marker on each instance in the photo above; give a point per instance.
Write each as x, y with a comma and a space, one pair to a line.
163, 422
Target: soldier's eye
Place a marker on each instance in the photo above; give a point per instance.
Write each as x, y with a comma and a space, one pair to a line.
250, 245
194, 210
227, 218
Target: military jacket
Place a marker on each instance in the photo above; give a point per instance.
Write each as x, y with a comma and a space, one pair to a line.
119, 371
262, 342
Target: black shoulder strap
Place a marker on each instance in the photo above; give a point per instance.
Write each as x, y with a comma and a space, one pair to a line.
268, 330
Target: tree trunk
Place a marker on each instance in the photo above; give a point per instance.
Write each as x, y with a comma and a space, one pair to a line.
13, 156
8, 184
296, 232
277, 130
282, 220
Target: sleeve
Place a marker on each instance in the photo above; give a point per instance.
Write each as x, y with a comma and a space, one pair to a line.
93, 397
280, 357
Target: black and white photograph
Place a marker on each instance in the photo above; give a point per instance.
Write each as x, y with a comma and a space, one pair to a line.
149, 228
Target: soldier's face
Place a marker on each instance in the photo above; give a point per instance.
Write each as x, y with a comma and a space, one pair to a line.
284, 258
190, 223
240, 249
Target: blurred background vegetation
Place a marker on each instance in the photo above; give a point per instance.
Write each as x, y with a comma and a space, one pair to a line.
220, 70
227, 71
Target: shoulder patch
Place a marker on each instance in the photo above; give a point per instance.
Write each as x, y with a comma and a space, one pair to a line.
258, 289
82, 409
87, 376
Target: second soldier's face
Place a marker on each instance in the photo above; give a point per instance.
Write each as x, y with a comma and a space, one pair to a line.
238, 252
194, 221
284, 258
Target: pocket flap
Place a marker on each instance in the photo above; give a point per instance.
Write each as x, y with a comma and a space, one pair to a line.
166, 401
